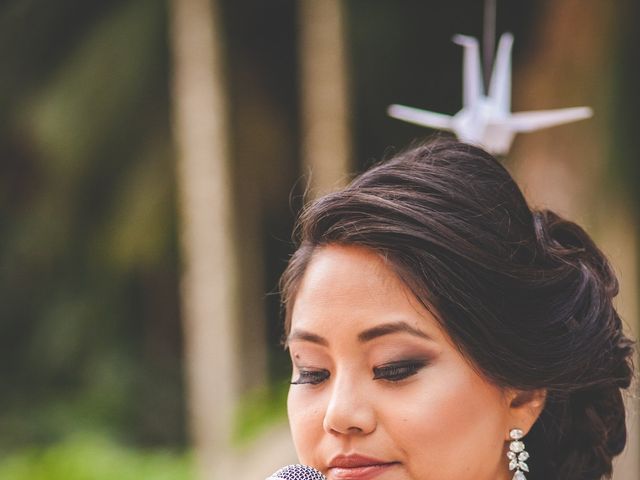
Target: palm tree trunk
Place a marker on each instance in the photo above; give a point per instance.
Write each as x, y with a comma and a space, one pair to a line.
209, 272
326, 144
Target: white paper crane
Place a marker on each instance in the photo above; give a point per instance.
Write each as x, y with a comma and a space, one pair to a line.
484, 120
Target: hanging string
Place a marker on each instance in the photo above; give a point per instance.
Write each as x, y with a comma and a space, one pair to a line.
488, 40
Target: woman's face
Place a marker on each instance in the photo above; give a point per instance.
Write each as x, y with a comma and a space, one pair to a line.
378, 388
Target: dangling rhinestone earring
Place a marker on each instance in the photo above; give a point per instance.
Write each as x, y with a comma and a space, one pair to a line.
517, 455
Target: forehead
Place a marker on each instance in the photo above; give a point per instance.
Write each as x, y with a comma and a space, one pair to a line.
339, 263
356, 284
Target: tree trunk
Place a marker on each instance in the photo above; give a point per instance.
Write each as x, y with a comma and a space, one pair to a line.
326, 142
208, 284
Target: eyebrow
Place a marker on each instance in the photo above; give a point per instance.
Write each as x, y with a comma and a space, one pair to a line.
304, 336
388, 329
364, 336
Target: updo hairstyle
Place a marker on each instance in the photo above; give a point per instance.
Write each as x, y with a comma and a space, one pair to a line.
525, 295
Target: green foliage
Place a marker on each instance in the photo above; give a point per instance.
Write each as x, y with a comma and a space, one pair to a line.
89, 319
89, 457
259, 410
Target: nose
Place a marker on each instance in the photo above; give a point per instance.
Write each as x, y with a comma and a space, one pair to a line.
350, 410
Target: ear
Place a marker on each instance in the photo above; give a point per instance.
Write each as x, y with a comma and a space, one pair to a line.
525, 406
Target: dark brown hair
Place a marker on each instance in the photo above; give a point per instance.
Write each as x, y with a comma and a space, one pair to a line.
525, 295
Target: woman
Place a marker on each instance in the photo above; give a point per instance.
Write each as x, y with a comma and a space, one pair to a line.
441, 330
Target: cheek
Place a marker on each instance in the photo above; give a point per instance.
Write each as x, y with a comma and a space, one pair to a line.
305, 421
450, 415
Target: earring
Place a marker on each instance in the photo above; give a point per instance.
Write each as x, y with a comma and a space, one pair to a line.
517, 455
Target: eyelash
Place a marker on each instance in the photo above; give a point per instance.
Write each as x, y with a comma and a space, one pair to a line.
312, 377
392, 372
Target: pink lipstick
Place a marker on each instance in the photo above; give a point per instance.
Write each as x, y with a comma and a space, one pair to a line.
357, 467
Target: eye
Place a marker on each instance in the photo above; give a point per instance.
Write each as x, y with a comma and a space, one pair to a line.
397, 371
312, 377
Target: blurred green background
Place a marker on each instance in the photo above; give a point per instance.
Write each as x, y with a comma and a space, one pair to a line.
91, 349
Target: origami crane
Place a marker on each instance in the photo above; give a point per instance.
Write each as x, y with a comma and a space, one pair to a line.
487, 120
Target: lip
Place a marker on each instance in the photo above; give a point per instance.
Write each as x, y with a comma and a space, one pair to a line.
357, 467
